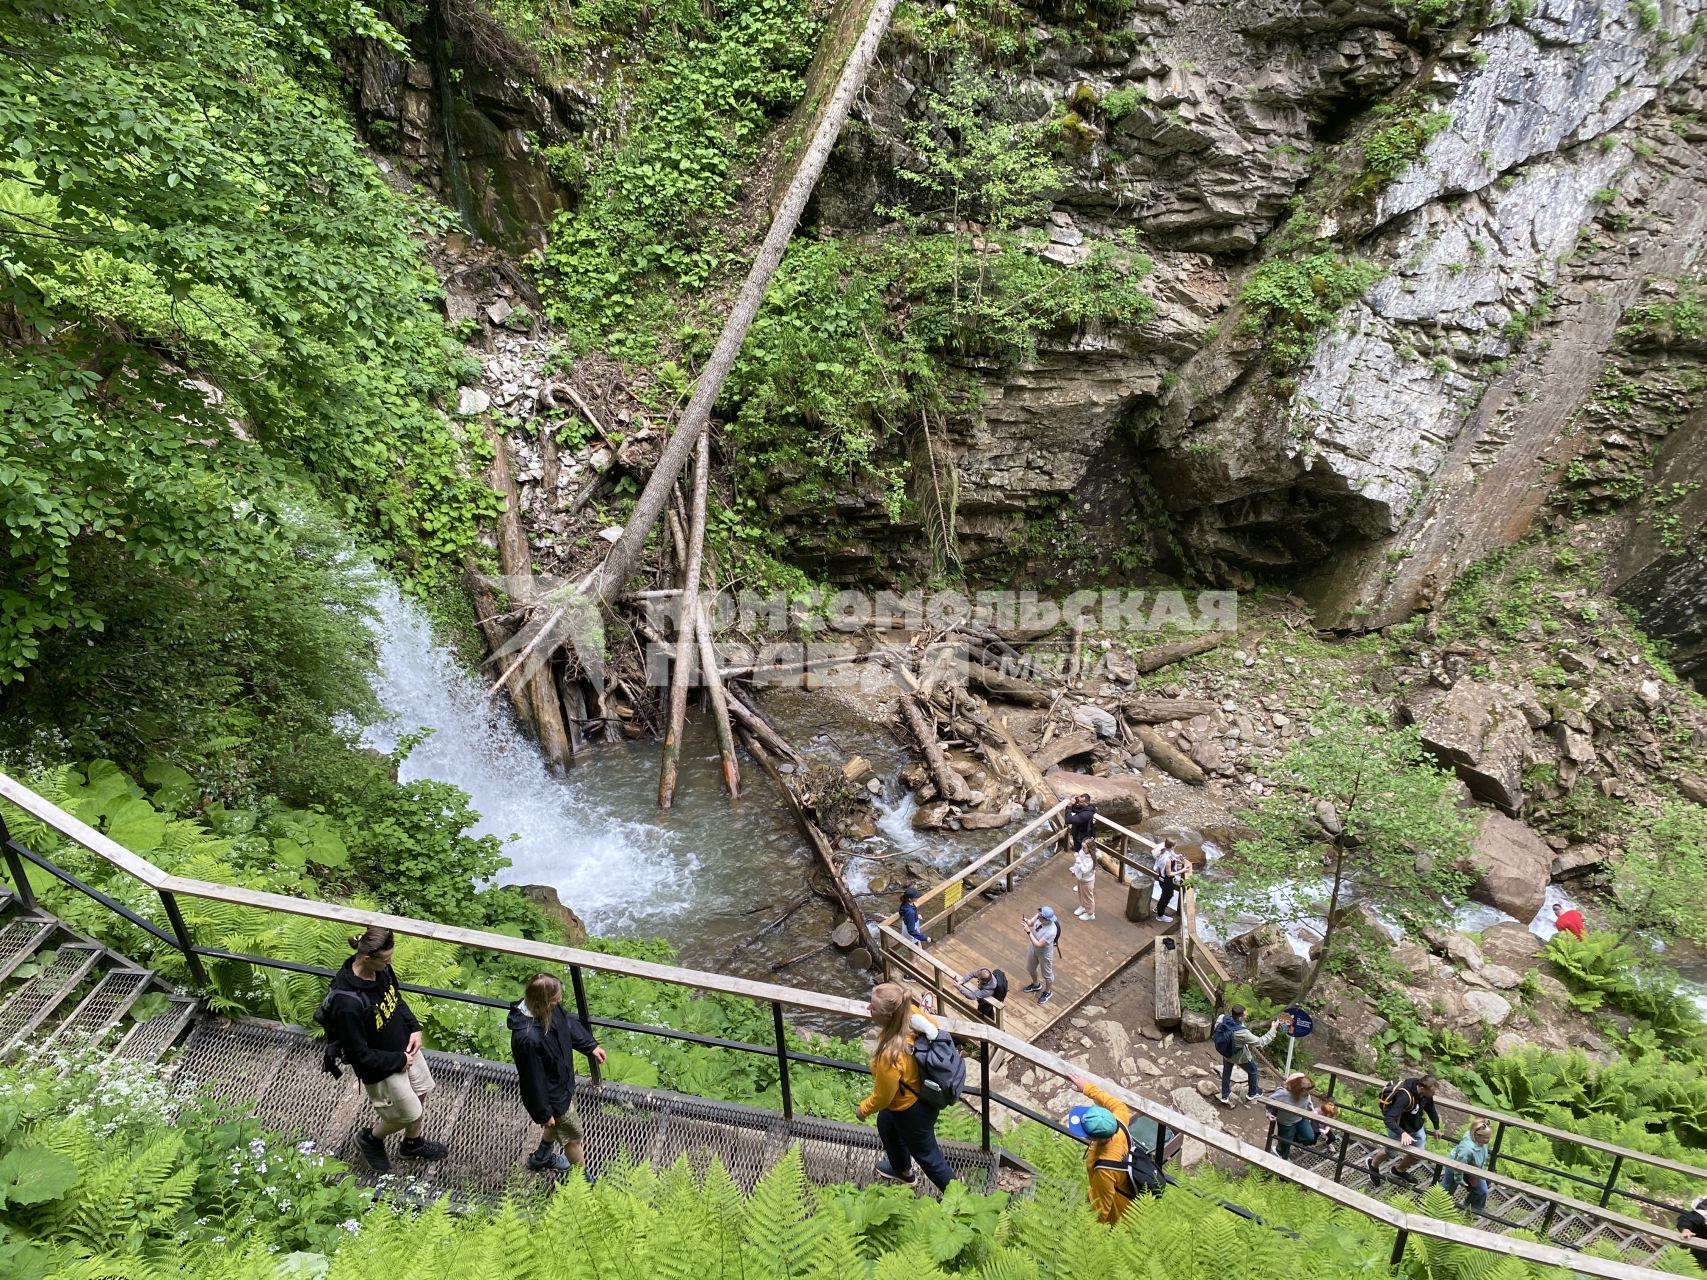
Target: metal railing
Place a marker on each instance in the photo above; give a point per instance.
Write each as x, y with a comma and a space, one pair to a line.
1605, 1188
1350, 1133
988, 1039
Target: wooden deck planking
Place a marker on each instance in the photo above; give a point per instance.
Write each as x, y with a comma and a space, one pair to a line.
1092, 953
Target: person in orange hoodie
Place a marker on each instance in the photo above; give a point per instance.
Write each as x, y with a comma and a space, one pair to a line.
1104, 1126
906, 1124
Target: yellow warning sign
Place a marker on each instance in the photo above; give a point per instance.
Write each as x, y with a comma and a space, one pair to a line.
952, 893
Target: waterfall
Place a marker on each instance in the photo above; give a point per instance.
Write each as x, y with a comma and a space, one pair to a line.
613, 870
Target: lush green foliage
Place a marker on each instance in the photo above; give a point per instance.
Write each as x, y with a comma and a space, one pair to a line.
1402, 840
656, 205
1661, 881
204, 285
107, 1161
678, 1224
1393, 148
1680, 318
1290, 301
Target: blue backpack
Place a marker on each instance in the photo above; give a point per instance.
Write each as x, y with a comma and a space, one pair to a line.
1226, 1027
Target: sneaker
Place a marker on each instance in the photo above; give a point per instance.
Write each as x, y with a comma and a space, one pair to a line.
1405, 1176
1372, 1171
1080, 912
1087, 919
373, 1151
548, 1162
1165, 919
1032, 986
422, 1149
887, 1170
1226, 1102
1046, 997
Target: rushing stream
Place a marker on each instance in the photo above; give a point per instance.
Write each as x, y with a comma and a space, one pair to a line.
707, 875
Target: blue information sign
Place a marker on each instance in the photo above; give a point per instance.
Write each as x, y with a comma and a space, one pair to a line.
1302, 1023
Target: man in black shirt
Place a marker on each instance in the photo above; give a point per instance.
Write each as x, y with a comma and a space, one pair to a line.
1081, 820
381, 1040
1403, 1107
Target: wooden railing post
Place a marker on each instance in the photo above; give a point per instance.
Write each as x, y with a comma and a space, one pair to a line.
1493, 1151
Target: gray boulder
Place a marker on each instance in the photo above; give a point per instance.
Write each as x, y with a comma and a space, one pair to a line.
1512, 866
1479, 731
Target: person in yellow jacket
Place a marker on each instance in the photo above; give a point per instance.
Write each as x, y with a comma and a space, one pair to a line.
905, 1123
1104, 1126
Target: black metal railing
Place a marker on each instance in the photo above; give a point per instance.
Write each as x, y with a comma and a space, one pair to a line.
179, 938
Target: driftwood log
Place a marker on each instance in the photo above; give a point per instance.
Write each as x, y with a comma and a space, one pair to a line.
535, 695
949, 784
1006, 687
1162, 710
1169, 758
1164, 655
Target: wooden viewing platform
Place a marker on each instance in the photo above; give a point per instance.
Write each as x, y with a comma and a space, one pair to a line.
1034, 868
1091, 953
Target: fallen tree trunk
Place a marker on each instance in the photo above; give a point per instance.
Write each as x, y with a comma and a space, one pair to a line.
1161, 710
607, 580
538, 690
719, 705
814, 834
753, 723
1006, 687
949, 784
1169, 758
1166, 654
687, 627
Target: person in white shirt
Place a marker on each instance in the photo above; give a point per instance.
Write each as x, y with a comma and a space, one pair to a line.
1171, 869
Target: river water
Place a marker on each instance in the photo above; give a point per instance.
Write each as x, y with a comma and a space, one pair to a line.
706, 876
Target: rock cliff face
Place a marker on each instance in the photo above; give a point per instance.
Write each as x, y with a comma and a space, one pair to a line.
461, 111
1437, 413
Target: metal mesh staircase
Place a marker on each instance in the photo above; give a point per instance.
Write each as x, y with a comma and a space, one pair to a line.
62, 992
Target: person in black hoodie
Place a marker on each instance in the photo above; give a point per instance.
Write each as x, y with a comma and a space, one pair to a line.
1081, 820
381, 1040
542, 1040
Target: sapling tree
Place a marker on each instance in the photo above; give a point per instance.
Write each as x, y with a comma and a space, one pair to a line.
1363, 804
1660, 886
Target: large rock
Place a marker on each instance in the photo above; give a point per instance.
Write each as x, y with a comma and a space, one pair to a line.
1480, 731
1269, 965
545, 898
1491, 1008
1510, 945
1120, 796
1512, 866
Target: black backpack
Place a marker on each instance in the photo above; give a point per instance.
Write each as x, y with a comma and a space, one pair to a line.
942, 1069
323, 1019
1000, 981
1142, 1175
1226, 1027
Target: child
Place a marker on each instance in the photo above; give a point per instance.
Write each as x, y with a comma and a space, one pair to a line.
910, 916
1472, 1148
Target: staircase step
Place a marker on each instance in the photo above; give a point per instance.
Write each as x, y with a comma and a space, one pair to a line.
99, 1011
147, 1041
20, 939
35, 1001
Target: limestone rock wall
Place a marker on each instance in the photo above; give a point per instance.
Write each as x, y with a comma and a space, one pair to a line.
1431, 423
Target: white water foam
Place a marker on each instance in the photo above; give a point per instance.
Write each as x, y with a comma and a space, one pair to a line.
613, 870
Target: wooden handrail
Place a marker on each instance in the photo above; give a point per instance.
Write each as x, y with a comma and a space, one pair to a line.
926, 894
1532, 1126
993, 1039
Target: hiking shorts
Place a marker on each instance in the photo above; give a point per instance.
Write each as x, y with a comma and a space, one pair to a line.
568, 1126
1418, 1138
398, 1098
